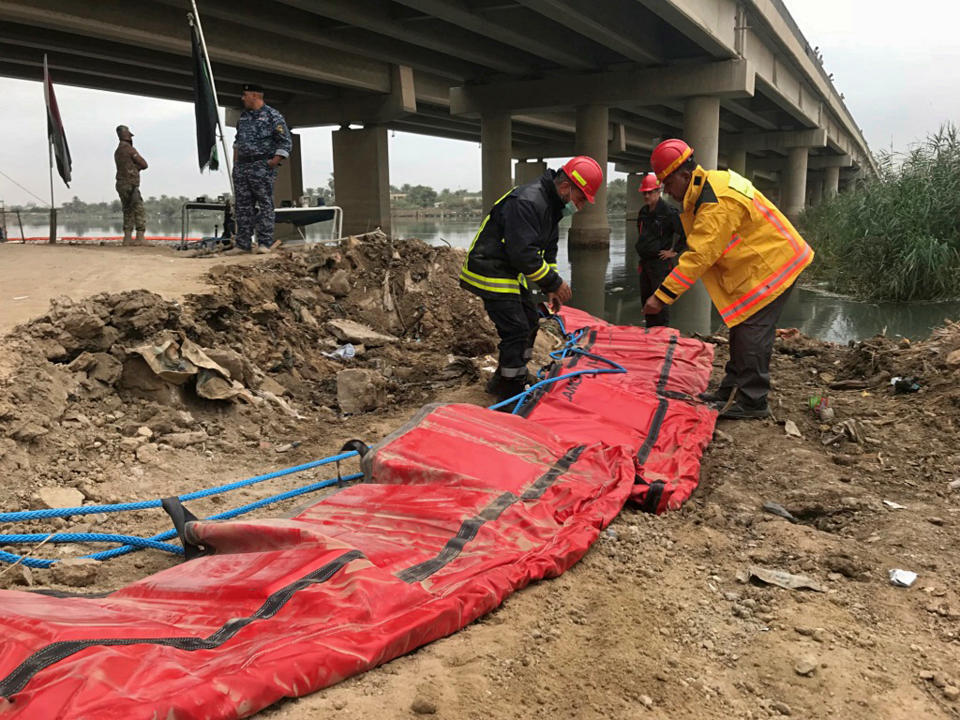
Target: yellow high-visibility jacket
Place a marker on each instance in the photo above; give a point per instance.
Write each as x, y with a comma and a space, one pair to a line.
743, 248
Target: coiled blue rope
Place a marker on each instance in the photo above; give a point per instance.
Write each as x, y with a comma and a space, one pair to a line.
132, 540
132, 543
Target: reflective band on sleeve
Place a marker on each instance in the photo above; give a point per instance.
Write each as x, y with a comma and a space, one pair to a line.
540, 273
681, 278
732, 244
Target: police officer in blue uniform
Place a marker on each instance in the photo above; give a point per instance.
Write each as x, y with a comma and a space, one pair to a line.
263, 142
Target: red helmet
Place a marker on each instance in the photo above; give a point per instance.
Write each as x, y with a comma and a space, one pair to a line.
586, 174
649, 183
668, 156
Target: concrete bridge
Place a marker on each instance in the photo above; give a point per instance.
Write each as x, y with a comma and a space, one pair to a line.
529, 79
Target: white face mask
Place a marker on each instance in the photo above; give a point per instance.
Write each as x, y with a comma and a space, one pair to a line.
668, 199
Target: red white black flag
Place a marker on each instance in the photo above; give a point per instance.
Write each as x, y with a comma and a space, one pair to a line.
55, 133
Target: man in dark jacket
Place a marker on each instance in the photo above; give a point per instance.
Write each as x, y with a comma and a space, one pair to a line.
517, 244
660, 239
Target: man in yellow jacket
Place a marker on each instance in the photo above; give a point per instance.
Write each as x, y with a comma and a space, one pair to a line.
748, 256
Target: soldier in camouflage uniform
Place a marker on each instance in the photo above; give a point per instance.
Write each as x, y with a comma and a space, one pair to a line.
129, 164
263, 142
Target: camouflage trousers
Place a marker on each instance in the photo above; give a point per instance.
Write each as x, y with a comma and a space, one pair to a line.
134, 218
253, 185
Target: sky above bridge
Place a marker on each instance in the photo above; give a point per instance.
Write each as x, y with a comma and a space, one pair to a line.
898, 65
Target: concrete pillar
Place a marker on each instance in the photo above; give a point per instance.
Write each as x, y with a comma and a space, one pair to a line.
737, 161
361, 174
288, 188
495, 140
634, 198
815, 190
588, 276
590, 227
526, 171
701, 130
831, 182
793, 187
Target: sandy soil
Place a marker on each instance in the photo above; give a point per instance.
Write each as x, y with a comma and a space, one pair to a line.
32, 275
656, 621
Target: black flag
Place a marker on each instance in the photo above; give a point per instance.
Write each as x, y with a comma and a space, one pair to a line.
205, 106
55, 133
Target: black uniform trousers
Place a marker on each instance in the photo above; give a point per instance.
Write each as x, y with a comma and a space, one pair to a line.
517, 325
652, 273
751, 347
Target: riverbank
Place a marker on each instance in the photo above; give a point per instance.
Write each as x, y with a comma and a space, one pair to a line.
655, 621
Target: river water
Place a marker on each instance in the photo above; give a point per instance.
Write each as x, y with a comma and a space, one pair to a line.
605, 283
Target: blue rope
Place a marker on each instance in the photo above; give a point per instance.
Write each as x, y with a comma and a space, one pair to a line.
135, 543
148, 504
570, 347
132, 540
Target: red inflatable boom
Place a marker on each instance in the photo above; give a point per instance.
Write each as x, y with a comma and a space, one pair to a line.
459, 508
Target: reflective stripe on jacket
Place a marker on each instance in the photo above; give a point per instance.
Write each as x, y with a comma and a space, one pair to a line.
516, 243
743, 248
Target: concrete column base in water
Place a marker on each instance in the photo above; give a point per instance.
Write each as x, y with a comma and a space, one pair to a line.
793, 186
361, 173
288, 188
588, 276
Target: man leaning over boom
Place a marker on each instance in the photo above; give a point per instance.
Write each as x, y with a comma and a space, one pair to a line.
749, 257
517, 244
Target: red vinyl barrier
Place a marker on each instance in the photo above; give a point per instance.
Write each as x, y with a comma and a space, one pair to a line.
286, 607
652, 408
459, 508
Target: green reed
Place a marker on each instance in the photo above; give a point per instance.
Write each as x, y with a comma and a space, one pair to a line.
895, 237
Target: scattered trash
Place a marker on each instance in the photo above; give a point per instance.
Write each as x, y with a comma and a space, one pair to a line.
905, 384
344, 352
779, 510
820, 405
954, 484
894, 505
902, 578
779, 578
21, 297
791, 429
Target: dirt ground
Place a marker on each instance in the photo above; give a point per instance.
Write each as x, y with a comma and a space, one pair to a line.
655, 622
32, 275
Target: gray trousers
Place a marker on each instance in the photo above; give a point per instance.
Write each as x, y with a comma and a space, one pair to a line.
751, 346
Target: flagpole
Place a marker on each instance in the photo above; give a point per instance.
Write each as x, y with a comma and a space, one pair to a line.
53, 207
213, 86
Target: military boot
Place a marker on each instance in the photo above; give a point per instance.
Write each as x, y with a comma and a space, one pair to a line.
127, 237
141, 238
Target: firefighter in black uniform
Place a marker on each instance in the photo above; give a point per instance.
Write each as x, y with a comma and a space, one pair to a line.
660, 239
517, 244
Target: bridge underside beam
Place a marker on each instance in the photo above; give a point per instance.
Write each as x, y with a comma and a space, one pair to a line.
728, 79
